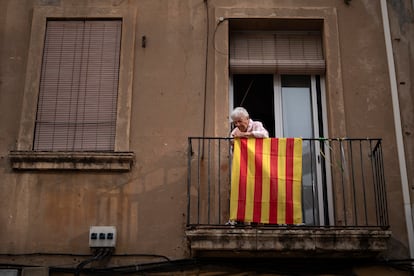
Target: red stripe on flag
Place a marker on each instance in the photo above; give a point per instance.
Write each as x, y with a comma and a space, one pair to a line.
258, 179
274, 150
289, 180
241, 209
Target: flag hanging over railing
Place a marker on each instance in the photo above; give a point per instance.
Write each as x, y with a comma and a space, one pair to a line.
266, 180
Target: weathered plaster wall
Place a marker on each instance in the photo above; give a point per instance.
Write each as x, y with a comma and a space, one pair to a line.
52, 212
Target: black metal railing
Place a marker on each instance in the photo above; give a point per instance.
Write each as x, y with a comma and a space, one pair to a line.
343, 182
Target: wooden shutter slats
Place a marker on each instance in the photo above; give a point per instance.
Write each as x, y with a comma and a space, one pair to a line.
78, 90
276, 52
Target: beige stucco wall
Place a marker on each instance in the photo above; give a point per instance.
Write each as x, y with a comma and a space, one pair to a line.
52, 211
402, 32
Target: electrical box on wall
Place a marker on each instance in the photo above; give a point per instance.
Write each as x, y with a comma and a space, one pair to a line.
102, 236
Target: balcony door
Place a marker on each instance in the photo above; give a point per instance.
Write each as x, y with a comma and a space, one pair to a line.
275, 75
291, 106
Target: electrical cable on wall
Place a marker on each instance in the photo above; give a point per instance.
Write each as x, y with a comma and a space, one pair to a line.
221, 20
206, 69
205, 75
100, 254
181, 264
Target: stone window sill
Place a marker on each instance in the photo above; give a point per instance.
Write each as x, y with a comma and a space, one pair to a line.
105, 161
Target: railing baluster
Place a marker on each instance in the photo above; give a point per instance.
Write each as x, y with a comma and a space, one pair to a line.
342, 171
379, 180
334, 188
189, 155
313, 182
375, 179
381, 186
384, 194
363, 182
208, 181
324, 180
198, 181
354, 200
219, 181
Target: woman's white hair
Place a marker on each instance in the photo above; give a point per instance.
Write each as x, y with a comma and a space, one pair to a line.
239, 112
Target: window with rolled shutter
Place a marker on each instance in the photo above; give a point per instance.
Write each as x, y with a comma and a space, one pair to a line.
77, 105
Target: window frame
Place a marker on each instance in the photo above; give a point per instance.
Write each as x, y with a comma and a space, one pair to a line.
77, 104
24, 157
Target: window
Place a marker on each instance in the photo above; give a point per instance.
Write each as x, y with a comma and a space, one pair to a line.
278, 77
77, 103
77, 100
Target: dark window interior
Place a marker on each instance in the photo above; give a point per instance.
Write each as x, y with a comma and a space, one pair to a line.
255, 93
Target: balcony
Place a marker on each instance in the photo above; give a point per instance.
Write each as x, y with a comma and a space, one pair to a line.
344, 203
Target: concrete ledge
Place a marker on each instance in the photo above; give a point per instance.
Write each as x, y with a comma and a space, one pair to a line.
107, 161
287, 242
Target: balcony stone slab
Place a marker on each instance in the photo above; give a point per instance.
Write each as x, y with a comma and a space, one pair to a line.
226, 241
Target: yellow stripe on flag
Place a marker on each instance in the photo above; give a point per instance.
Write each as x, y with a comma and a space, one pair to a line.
235, 178
297, 182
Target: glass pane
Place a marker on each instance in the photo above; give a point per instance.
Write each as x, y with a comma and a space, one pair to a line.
297, 115
298, 122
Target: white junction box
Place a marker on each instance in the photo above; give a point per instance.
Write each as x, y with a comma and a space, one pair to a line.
102, 236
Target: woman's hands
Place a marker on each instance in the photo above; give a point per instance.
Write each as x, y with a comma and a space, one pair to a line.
246, 134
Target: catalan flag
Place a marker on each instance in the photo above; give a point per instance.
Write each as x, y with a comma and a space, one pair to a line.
266, 180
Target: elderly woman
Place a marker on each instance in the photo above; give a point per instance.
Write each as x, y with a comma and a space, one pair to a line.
245, 127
